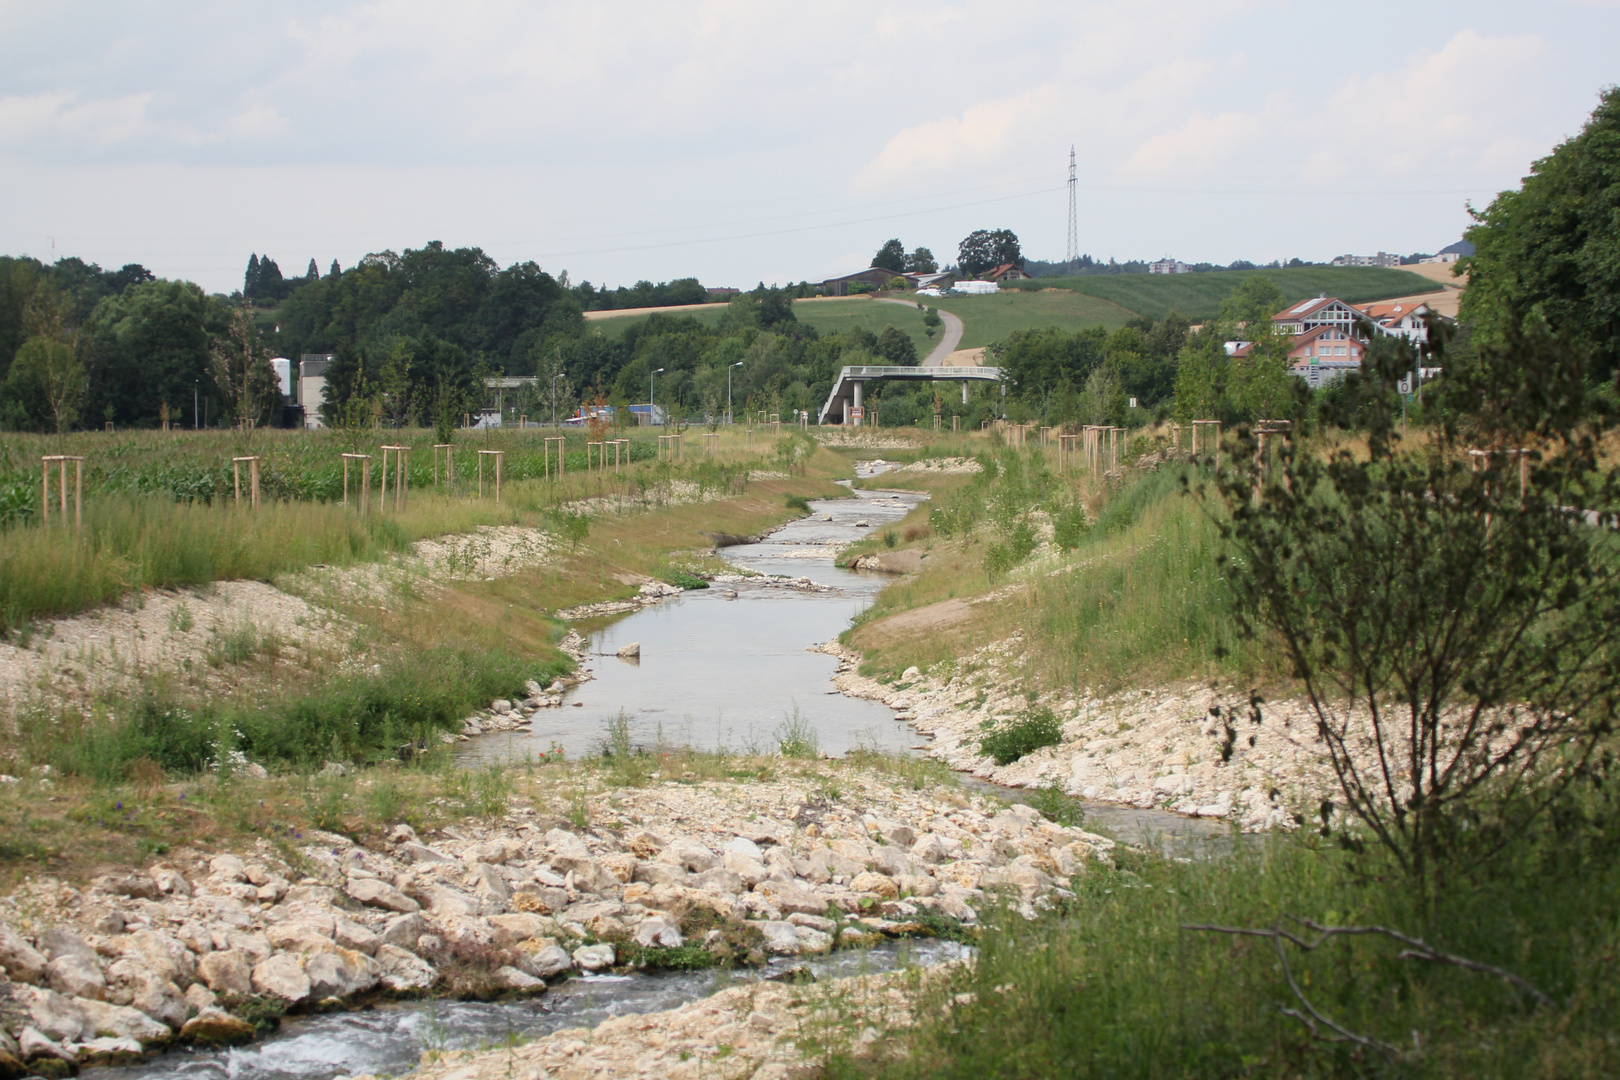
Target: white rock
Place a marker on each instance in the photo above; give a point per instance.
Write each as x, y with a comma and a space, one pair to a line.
403, 972
511, 979
77, 976
21, 961
122, 1022
226, 972
550, 962
35, 1044
380, 894
340, 973
594, 957
281, 976
781, 938
658, 932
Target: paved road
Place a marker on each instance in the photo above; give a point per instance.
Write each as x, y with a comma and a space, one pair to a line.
947, 344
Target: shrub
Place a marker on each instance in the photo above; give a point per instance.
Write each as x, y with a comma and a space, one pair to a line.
1022, 735
682, 580
799, 503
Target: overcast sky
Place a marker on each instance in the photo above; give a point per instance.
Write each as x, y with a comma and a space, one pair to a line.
740, 142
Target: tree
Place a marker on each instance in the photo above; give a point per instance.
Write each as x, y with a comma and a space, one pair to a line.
1256, 299
147, 346
1549, 253
241, 371
47, 382
891, 256
896, 346
921, 261
313, 273
334, 270
250, 280
1454, 621
985, 250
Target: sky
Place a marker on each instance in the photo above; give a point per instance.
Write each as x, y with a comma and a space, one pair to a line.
741, 142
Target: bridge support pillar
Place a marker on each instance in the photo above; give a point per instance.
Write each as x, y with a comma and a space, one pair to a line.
858, 414
964, 392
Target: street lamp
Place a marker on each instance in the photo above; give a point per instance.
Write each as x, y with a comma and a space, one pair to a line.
738, 364
196, 418
554, 379
652, 410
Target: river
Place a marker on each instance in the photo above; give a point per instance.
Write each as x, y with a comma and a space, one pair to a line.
715, 671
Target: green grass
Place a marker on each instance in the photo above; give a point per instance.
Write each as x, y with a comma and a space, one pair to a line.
989, 319
1116, 985
835, 316
1199, 296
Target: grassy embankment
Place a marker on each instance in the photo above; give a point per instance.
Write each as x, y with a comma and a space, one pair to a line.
160, 512
1116, 983
418, 655
1131, 593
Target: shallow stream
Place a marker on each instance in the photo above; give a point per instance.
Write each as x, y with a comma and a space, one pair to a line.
715, 672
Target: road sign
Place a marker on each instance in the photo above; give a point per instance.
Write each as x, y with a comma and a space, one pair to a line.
857, 412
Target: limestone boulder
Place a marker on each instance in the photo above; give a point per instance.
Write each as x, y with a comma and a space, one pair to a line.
122, 1022
720, 880
21, 961
520, 926
216, 1027
548, 962
57, 1016
109, 1051
790, 896
77, 976
227, 868
36, 1045
380, 894
752, 871
688, 853
282, 976
658, 931
875, 884
781, 937
594, 957
515, 981
352, 935
56, 941
301, 935
162, 1000
403, 930
340, 973
402, 972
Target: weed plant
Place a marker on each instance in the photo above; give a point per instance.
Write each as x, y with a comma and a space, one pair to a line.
1021, 735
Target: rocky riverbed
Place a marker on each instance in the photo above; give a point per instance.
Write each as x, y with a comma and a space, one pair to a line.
1149, 748
204, 945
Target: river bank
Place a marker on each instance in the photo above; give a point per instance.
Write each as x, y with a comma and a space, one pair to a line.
796, 858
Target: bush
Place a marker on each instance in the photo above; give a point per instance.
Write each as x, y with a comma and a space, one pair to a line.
682, 580
1022, 735
798, 502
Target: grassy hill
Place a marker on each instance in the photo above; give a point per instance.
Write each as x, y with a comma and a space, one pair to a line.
988, 319
1074, 303
1199, 296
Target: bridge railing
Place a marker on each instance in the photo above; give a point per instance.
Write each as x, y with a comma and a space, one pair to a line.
889, 371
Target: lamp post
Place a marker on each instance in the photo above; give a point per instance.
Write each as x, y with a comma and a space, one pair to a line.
738, 364
554, 379
196, 417
652, 410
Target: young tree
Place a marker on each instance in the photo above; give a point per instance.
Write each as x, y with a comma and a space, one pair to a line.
985, 250
47, 379
891, 256
1452, 610
240, 368
1256, 299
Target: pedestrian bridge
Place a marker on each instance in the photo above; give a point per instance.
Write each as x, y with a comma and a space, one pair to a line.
844, 403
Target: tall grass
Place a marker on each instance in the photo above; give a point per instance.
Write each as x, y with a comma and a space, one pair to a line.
1117, 986
397, 711
154, 542
1146, 597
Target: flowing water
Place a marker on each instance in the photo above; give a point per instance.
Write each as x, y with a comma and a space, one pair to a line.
390, 1039
715, 671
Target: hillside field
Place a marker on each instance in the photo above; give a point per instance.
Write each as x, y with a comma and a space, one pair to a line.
1075, 303
1199, 296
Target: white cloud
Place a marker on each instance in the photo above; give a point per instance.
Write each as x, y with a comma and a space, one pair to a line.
56, 117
